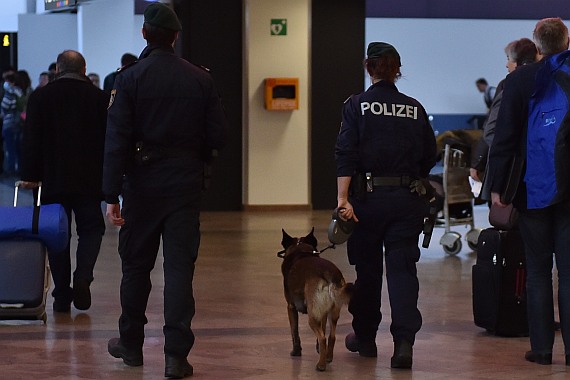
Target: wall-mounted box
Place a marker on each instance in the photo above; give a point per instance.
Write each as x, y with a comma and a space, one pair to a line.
281, 94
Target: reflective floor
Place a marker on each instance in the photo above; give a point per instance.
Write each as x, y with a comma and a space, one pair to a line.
241, 322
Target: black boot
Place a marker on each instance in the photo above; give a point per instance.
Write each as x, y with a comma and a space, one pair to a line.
131, 356
402, 355
544, 359
367, 348
177, 367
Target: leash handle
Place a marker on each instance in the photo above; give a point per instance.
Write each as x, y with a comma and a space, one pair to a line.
333, 246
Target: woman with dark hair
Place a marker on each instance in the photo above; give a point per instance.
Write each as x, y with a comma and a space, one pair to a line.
384, 152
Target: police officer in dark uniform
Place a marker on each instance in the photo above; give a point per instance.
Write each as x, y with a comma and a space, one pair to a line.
384, 153
164, 117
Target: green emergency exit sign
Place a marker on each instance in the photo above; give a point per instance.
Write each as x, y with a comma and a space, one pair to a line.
278, 26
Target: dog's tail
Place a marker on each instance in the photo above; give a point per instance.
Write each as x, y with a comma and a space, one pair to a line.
346, 292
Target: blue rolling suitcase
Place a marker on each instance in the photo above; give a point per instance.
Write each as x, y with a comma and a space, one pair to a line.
26, 233
24, 279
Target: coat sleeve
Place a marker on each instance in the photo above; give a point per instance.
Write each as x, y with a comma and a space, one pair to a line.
511, 119
31, 160
346, 149
216, 123
118, 139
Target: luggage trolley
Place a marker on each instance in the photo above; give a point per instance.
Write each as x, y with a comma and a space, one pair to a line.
457, 195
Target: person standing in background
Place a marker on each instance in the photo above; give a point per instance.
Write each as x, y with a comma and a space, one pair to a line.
488, 91
11, 127
542, 195
94, 78
108, 82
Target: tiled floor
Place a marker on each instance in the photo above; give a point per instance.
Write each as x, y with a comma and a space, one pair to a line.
241, 322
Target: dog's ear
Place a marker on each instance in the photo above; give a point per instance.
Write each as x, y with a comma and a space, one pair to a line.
287, 240
311, 239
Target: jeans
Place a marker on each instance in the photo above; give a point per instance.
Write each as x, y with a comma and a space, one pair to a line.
546, 232
90, 229
11, 137
390, 221
147, 220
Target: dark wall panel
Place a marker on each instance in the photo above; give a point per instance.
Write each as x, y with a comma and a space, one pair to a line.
212, 37
469, 9
337, 46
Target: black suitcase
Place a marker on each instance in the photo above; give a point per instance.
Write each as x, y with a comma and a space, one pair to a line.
499, 283
24, 280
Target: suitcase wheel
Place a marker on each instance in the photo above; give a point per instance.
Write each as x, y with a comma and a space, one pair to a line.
472, 237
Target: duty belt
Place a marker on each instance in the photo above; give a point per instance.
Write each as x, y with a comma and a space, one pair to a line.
403, 181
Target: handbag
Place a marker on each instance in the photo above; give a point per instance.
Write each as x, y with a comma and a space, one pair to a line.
47, 223
503, 218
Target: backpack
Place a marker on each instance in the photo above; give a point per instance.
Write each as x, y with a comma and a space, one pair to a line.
547, 174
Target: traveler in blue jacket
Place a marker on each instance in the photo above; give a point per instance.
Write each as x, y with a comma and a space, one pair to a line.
384, 152
543, 191
165, 118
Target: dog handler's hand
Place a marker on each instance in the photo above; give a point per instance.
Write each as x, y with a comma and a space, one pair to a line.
346, 211
114, 214
343, 183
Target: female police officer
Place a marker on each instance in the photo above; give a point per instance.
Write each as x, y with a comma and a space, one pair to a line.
384, 151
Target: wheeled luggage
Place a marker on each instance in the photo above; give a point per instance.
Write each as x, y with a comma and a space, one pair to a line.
27, 234
45, 222
499, 283
24, 279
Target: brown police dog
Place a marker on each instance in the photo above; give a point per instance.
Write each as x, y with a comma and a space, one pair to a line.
312, 286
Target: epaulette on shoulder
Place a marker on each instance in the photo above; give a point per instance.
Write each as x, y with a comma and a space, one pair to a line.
347, 99
123, 68
203, 68
199, 66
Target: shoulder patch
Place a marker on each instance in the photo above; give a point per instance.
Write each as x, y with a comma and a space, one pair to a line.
123, 68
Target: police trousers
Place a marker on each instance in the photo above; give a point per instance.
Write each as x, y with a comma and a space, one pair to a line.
175, 220
390, 221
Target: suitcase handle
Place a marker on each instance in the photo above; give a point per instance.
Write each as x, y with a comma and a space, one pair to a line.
18, 184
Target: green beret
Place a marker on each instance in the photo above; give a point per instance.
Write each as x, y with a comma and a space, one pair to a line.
162, 16
378, 49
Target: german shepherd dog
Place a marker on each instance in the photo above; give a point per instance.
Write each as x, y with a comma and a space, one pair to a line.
312, 286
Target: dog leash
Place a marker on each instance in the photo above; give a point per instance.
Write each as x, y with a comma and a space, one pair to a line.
333, 246
281, 253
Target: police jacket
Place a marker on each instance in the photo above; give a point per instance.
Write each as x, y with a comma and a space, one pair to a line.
164, 118
386, 133
64, 136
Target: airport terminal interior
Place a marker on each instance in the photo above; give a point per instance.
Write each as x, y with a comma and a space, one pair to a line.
241, 325
274, 175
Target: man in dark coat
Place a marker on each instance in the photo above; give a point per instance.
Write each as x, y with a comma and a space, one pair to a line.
545, 229
63, 144
165, 117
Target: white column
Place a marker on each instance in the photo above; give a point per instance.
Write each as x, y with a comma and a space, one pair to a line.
105, 33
